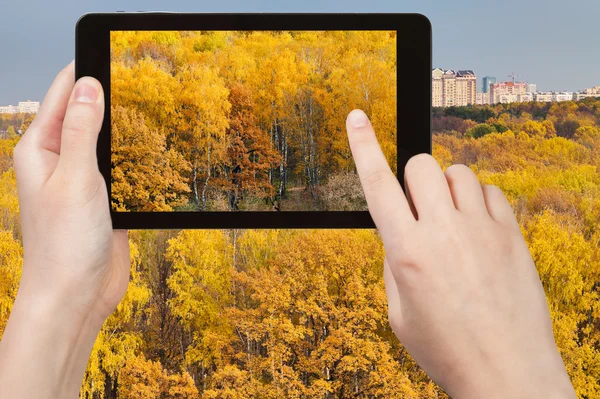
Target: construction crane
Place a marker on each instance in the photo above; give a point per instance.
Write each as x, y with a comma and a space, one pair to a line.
513, 76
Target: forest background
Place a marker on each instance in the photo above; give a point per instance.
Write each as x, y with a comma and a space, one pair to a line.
302, 313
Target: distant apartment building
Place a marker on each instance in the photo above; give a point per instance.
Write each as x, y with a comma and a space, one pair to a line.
544, 96
466, 87
507, 92
563, 96
505, 98
590, 92
581, 95
524, 98
531, 88
482, 98
552, 96
29, 107
437, 87
453, 88
486, 81
448, 89
24, 107
9, 109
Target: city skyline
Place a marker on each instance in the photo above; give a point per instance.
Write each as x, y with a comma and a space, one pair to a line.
479, 87
520, 80
468, 89
455, 87
463, 36
22, 107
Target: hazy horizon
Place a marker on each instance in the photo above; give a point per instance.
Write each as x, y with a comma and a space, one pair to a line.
545, 42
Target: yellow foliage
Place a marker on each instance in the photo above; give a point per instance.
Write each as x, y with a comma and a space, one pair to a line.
117, 342
180, 90
279, 313
146, 379
11, 263
570, 271
9, 202
6, 151
145, 176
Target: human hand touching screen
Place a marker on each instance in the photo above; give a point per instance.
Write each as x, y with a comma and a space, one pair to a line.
464, 296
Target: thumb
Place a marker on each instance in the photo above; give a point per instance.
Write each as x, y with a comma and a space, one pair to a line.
81, 126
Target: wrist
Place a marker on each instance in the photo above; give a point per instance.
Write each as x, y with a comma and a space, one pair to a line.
548, 379
45, 347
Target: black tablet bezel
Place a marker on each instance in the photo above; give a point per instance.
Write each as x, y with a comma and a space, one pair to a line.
92, 54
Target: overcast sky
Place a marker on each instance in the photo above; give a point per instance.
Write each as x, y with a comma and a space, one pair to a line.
553, 43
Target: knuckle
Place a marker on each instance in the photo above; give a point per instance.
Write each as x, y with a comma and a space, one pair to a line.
417, 163
394, 321
18, 151
403, 256
493, 189
459, 169
81, 118
376, 179
19, 154
494, 193
459, 172
406, 255
77, 190
419, 159
76, 129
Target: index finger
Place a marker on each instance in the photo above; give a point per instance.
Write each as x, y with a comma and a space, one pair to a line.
386, 200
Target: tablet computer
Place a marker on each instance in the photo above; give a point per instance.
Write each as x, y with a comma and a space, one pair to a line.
238, 120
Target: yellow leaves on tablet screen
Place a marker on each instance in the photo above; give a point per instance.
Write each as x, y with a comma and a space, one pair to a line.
294, 89
144, 171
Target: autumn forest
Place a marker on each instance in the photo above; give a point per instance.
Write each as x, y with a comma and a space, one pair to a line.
302, 313
245, 121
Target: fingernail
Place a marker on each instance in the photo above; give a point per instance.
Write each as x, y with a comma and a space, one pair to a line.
357, 119
85, 93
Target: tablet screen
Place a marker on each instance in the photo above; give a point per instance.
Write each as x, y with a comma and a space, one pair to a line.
215, 121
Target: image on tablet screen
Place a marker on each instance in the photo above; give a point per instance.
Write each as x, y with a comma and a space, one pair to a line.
215, 121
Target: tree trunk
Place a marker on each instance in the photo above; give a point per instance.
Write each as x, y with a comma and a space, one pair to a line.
195, 186
285, 162
206, 181
270, 167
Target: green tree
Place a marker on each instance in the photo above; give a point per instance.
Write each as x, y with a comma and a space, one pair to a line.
480, 130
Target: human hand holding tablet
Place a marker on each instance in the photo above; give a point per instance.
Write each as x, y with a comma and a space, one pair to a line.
75, 266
